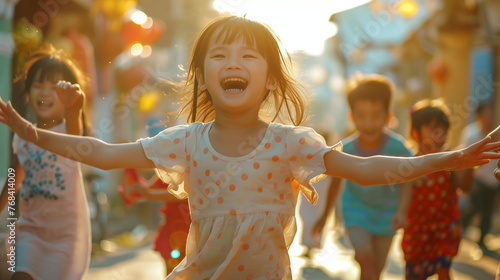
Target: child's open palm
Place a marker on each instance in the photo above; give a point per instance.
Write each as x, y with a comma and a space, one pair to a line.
478, 153
16, 123
71, 96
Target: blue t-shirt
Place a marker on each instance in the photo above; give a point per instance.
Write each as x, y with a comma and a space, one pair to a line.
373, 207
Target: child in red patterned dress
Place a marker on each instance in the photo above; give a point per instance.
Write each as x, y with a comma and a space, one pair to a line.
170, 239
432, 238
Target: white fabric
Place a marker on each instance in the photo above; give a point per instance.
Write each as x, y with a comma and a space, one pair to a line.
242, 208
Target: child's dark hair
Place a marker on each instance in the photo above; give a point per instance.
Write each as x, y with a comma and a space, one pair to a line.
287, 102
50, 62
372, 87
428, 111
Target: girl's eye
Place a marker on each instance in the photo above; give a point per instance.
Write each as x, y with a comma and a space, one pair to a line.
249, 56
218, 56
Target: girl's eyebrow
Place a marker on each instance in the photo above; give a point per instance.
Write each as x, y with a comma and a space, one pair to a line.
224, 47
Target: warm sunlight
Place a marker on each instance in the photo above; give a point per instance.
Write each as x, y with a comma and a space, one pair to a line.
301, 24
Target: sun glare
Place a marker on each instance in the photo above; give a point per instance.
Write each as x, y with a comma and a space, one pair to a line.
302, 25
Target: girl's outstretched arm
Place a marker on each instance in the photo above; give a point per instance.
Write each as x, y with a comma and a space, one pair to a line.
381, 170
88, 150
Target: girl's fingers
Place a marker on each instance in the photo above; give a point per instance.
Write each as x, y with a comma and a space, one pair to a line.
490, 155
497, 173
481, 143
63, 84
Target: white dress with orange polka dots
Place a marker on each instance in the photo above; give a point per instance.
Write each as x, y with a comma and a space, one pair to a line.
242, 208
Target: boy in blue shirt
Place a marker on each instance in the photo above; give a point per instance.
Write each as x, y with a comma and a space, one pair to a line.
371, 214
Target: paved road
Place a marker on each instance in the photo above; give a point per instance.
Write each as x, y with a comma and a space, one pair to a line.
334, 262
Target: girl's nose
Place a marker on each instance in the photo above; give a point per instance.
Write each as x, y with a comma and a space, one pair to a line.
47, 91
233, 63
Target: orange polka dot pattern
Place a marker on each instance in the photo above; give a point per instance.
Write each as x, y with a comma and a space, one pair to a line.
242, 208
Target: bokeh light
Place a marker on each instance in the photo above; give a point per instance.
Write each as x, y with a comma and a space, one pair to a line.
138, 17
136, 49
408, 8
175, 254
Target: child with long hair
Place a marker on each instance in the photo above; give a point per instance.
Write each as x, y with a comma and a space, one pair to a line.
242, 174
52, 238
432, 238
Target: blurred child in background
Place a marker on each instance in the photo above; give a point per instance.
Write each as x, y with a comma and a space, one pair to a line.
371, 214
432, 238
170, 239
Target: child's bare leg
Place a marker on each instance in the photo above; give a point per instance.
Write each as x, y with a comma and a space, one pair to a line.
21, 276
381, 246
364, 254
443, 273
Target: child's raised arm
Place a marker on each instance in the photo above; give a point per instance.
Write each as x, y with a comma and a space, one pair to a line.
381, 170
88, 150
73, 100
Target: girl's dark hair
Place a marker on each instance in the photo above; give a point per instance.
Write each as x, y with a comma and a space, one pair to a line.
428, 111
50, 63
288, 100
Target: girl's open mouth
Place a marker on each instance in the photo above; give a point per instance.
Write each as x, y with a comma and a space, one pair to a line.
44, 104
234, 84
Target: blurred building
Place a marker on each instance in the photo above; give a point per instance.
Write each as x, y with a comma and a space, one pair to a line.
430, 49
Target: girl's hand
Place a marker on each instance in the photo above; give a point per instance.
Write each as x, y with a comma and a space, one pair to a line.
16, 123
478, 153
70, 95
495, 134
399, 220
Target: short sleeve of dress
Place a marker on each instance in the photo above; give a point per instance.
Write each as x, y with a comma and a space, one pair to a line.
168, 152
306, 149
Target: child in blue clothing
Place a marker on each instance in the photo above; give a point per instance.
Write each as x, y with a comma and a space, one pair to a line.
241, 172
371, 214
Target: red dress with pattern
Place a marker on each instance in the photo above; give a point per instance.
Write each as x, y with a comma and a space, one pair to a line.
433, 215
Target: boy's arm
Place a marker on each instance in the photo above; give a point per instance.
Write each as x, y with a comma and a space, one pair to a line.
400, 219
384, 170
73, 100
88, 150
154, 189
10, 188
331, 200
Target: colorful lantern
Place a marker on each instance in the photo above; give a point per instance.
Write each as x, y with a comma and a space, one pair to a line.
438, 71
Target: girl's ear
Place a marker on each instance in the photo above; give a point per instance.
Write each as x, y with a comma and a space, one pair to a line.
388, 118
201, 80
351, 116
272, 84
415, 135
